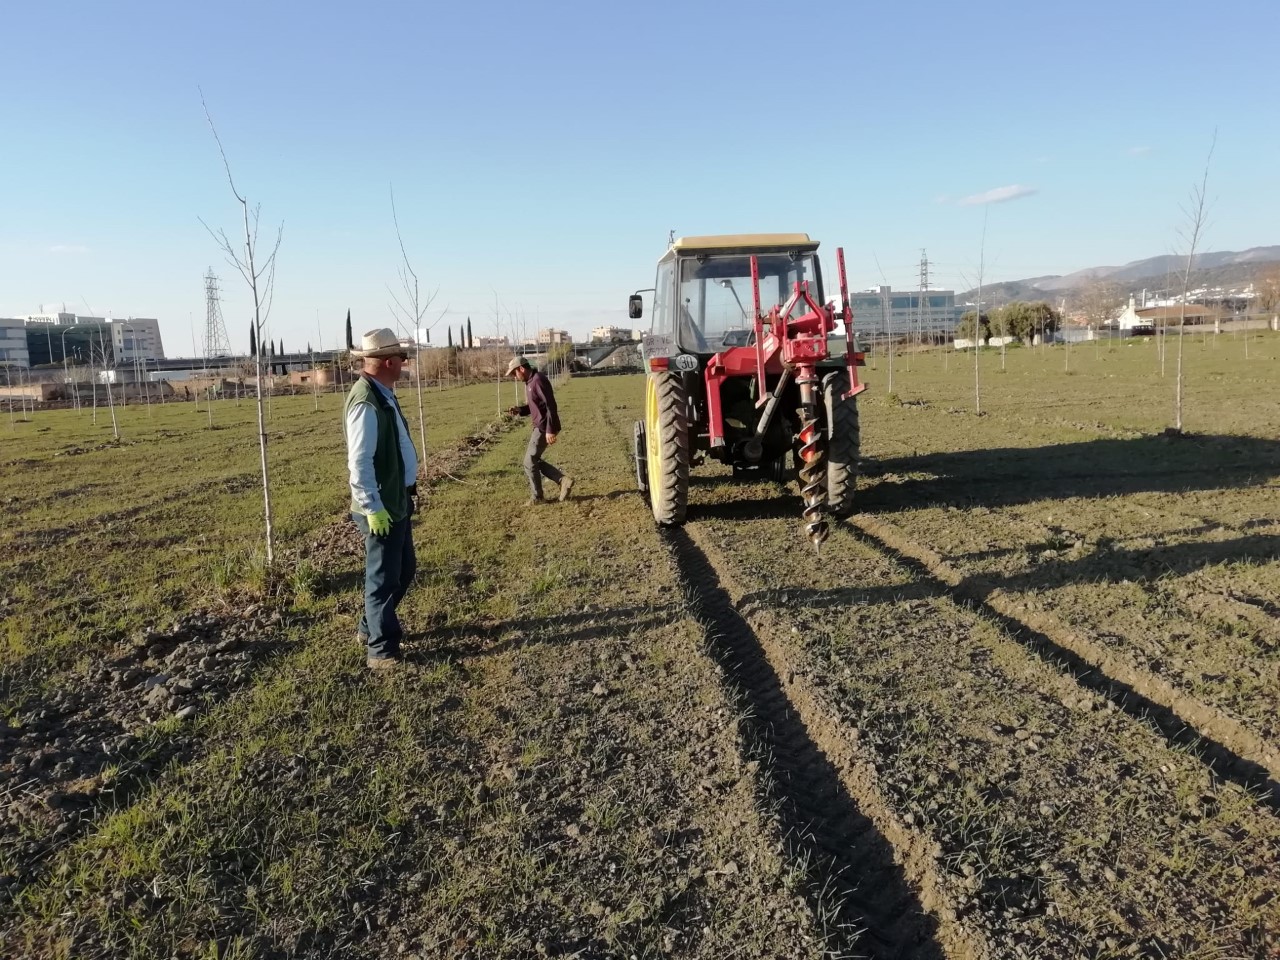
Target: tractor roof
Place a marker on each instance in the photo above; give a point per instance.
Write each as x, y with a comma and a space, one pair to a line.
745, 243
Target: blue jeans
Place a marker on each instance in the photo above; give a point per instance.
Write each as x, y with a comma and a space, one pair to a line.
389, 566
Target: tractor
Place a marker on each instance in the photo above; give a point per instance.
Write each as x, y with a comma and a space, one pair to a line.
746, 387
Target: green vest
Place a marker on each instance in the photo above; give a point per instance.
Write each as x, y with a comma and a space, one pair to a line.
388, 465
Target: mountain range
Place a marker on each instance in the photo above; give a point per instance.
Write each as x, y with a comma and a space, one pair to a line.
1217, 269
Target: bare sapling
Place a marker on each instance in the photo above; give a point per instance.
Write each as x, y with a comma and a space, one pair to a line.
208, 386
884, 313
410, 312
205, 373
108, 374
1195, 214
259, 275
977, 318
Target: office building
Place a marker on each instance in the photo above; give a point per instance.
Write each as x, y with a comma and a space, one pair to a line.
13, 343
136, 339
900, 313
71, 344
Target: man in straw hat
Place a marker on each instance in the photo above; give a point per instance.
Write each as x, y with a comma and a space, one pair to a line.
541, 409
383, 468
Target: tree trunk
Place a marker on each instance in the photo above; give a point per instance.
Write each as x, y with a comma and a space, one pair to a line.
262, 452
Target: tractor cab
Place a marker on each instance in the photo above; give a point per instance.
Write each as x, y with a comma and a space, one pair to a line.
746, 367
702, 295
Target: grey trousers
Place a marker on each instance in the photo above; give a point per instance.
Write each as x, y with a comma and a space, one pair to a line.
535, 468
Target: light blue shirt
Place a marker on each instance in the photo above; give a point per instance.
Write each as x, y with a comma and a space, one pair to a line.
362, 440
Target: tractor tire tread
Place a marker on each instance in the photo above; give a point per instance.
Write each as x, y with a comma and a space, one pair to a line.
844, 441
673, 418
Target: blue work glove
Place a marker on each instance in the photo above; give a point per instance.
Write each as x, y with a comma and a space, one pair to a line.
380, 523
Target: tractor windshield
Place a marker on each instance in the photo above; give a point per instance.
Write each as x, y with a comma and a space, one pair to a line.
714, 304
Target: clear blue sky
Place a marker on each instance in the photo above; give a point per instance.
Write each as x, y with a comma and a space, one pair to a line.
541, 152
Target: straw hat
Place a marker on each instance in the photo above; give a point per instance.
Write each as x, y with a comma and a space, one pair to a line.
382, 342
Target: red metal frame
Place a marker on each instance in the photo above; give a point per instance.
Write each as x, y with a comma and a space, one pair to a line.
798, 344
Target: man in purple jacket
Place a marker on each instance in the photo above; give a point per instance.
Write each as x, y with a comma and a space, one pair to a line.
541, 408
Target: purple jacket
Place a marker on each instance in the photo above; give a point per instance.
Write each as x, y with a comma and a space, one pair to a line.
542, 404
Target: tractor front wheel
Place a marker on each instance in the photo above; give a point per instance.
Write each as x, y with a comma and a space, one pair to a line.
666, 428
844, 438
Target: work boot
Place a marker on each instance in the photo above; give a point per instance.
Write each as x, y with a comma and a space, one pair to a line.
565, 486
383, 664
534, 501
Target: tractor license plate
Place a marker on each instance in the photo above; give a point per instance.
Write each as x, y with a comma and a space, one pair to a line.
657, 346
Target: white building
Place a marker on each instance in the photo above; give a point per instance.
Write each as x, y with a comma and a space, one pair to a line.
13, 343
610, 334
492, 342
549, 336
136, 339
1129, 320
882, 311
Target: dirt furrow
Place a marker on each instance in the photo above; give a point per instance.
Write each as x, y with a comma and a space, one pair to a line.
1223, 741
883, 900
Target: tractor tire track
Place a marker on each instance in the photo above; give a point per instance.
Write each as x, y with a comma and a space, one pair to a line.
1220, 741
872, 880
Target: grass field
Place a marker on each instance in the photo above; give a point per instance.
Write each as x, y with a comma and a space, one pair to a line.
1022, 706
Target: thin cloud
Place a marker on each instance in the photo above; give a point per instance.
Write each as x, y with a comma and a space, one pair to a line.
998, 195
66, 248
1138, 151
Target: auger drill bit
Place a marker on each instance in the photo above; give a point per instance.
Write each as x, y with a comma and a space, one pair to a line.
813, 468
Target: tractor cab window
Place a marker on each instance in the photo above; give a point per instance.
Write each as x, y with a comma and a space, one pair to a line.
714, 304
663, 320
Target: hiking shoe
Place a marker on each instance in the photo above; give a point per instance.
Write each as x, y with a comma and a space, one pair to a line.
382, 664
565, 486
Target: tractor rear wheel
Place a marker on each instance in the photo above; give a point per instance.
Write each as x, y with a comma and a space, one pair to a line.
844, 438
666, 428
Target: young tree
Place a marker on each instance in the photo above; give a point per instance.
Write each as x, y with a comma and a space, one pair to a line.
981, 318
410, 311
259, 275
1099, 302
965, 328
108, 369
1195, 215
1267, 286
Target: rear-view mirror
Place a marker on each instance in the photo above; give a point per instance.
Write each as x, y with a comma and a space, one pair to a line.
635, 306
